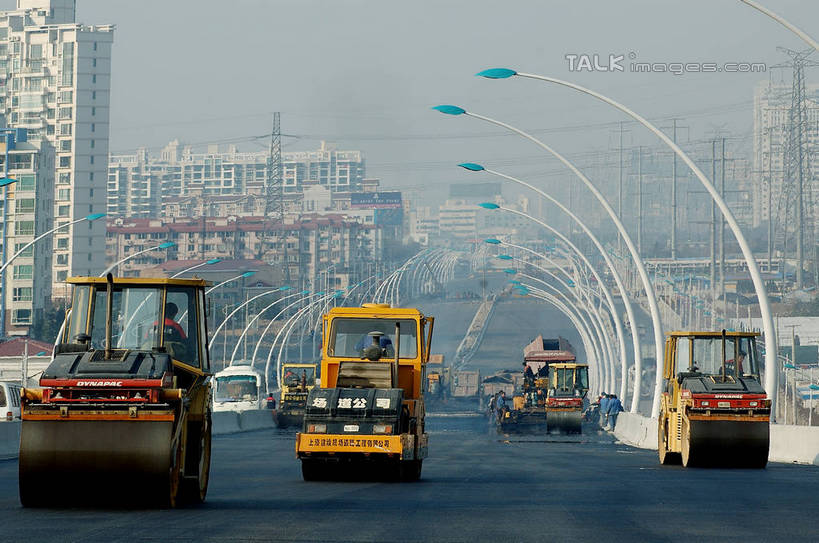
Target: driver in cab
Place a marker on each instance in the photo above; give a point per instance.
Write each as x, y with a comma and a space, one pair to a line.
170, 313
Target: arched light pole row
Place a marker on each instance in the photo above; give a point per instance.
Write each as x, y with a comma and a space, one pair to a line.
357, 285
393, 293
618, 324
305, 295
650, 296
598, 367
197, 266
781, 20
112, 267
584, 284
89, 218
565, 240
381, 288
548, 298
591, 346
554, 301
604, 366
240, 306
93, 217
385, 288
313, 325
226, 281
771, 368
255, 318
585, 302
299, 314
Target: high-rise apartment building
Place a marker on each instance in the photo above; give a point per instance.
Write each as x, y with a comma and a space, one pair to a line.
772, 105
138, 183
26, 210
55, 79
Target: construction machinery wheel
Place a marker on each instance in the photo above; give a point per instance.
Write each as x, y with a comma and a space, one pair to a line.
193, 489
727, 444
410, 470
175, 477
564, 422
97, 459
667, 457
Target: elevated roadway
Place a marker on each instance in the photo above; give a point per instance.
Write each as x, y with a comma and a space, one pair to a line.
476, 486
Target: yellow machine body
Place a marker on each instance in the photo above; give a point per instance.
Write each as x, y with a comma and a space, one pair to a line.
123, 411
714, 410
369, 407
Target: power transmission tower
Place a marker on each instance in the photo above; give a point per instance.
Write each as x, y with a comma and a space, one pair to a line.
797, 179
274, 191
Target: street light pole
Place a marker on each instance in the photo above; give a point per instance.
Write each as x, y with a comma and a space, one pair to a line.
615, 274
92, 217
781, 20
587, 303
602, 347
753, 268
112, 267
574, 249
650, 296
205, 263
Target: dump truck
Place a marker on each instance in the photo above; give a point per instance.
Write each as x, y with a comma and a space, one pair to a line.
298, 379
367, 415
123, 412
566, 397
714, 410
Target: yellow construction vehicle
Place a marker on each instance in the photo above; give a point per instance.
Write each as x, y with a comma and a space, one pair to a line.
714, 409
568, 386
298, 379
123, 412
368, 411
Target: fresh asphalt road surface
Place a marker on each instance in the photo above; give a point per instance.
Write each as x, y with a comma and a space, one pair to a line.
476, 486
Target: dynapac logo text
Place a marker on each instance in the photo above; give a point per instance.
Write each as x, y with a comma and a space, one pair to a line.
99, 383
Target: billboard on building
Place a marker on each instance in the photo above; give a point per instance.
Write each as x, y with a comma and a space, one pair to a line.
375, 200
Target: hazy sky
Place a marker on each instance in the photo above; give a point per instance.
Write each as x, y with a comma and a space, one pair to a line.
364, 73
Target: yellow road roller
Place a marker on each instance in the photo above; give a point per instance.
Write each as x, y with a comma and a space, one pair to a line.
122, 413
714, 410
366, 419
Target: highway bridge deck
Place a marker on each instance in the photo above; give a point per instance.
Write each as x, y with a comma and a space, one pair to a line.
476, 486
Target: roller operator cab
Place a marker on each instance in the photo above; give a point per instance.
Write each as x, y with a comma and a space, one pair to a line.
714, 410
366, 418
298, 379
123, 412
566, 400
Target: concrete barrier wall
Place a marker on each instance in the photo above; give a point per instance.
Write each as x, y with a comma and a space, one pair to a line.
231, 422
789, 444
794, 444
226, 422
256, 420
9, 439
636, 430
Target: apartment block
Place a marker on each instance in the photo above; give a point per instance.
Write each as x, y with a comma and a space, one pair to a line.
305, 247
55, 78
772, 104
138, 184
27, 212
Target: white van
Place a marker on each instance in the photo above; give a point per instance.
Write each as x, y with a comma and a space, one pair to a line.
9, 401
